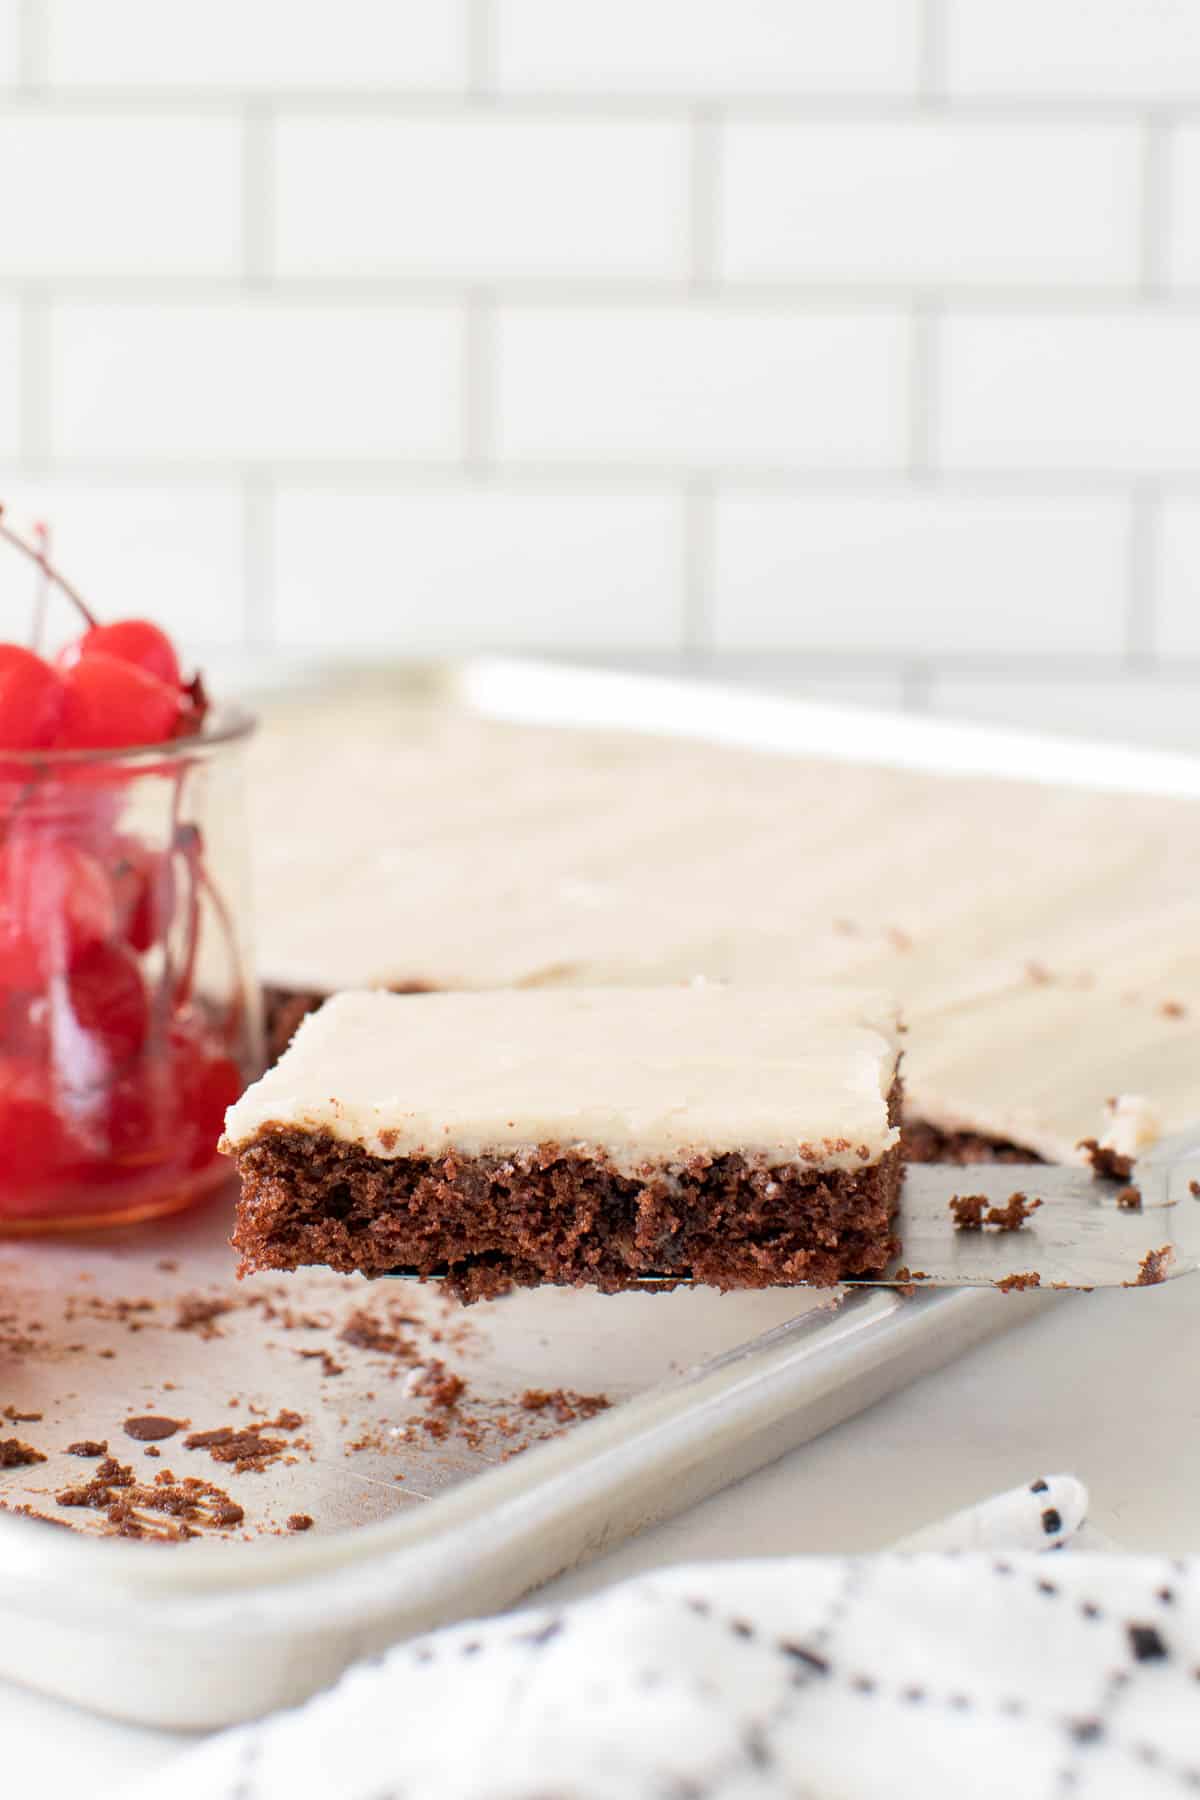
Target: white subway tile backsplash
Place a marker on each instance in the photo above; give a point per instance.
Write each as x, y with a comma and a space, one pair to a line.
701, 386
252, 380
1178, 621
263, 44
96, 194
1112, 392
10, 28
10, 379
457, 568
172, 553
919, 574
921, 200
481, 199
1127, 49
1182, 255
707, 47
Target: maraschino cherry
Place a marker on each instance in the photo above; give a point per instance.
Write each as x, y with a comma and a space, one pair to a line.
115, 687
112, 1070
32, 700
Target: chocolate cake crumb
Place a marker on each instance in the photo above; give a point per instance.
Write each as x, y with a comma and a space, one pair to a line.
248, 1450
439, 1385
1017, 1284
1107, 1165
146, 1429
972, 1213
328, 1365
365, 1332
1153, 1267
114, 1473
300, 1522
152, 1450
199, 1313
564, 1403
25, 1511
88, 1447
1130, 1199
186, 1504
22, 1418
16, 1455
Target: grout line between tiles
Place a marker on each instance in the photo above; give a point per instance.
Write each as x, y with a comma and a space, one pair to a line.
704, 222
34, 396
1157, 140
699, 544
1142, 599
481, 51
923, 389
931, 73
258, 194
32, 47
478, 378
259, 624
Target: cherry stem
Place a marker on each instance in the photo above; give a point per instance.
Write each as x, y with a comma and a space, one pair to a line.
42, 597
37, 554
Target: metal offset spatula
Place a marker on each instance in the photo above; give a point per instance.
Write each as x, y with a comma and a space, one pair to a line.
1080, 1236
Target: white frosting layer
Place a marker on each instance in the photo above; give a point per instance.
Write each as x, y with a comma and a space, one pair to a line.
1043, 944
639, 1074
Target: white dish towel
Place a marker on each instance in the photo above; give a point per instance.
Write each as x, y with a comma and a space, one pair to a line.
967, 1662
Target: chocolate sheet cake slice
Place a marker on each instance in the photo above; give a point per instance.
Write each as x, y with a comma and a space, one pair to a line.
739, 1136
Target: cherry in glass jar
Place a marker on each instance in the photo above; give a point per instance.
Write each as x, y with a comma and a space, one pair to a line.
129, 1016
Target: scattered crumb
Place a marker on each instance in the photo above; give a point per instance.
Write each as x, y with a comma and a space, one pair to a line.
439, 1385
16, 1455
1107, 1165
564, 1403
248, 1450
1038, 974
25, 1511
147, 1429
328, 1365
1173, 1009
200, 1312
22, 1418
1153, 1269
88, 1447
300, 1522
972, 1212
365, 1332
1130, 1199
1016, 1284
1194, 1189
181, 1505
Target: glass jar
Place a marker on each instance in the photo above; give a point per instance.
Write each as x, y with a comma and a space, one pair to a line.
129, 1012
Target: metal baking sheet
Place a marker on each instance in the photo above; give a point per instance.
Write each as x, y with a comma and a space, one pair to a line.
411, 1526
421, 1511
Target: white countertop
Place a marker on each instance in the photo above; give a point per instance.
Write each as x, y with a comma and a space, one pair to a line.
1099, 1385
